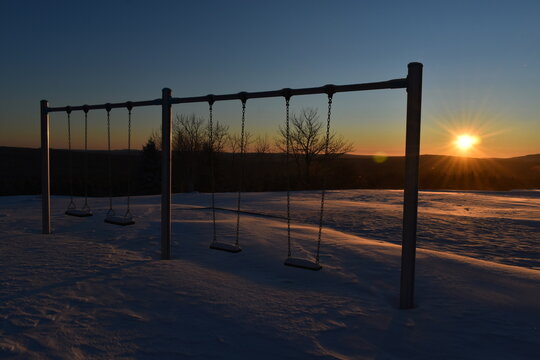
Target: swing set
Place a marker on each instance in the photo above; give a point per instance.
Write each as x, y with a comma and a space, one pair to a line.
412, 83
235, 248
85, 211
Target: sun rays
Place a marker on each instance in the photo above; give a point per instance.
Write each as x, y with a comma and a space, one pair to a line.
466, 142
466, 132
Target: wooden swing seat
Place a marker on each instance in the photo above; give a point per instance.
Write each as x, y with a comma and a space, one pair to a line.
302, 263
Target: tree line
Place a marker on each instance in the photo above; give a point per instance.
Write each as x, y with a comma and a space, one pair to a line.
204, 157
263, 165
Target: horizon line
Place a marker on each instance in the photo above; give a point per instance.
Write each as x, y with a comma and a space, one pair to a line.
277, 153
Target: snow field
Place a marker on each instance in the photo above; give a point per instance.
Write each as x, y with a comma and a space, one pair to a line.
93, 290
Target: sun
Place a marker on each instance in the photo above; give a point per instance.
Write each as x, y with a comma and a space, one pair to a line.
466, 142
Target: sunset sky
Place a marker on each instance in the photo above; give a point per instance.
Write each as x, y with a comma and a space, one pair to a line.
481, 67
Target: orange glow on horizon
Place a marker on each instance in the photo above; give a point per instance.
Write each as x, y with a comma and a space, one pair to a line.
472, 131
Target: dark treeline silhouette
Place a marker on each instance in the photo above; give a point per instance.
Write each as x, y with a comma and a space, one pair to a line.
194, 142
20, 172
312, 163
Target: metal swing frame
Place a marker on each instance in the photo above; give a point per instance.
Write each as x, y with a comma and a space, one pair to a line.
412, 83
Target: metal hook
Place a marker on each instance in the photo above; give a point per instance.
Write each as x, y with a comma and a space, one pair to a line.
243, 97
330, 90
287, 93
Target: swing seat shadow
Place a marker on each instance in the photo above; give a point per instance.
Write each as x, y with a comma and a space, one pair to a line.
78, 212
119, 220
302, 263
233, 248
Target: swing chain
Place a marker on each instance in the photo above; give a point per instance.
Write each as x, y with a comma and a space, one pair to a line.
287, 95
85, 206
110, 212
210, 123
242, 133
243, 98
71, 205
330, 92
212, 174
128, 211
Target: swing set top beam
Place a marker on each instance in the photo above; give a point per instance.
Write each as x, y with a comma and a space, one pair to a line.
327, 89
243, 96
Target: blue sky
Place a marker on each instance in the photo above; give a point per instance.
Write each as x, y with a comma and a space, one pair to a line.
481, 65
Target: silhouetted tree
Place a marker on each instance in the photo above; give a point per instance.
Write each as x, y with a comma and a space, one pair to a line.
220, 135
190, 148
262, 145
189, 139
189, 134
155, 137
307, 139
235, 141
150, 168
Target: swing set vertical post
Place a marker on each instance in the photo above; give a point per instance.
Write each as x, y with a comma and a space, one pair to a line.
410, 194
45, 170
166, 167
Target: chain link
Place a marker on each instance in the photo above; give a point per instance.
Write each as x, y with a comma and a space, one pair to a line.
323, 192
110, 212
287, 170
212, 174
327, 142
86, 207
211, 127
242, 151
128, 210
71, 205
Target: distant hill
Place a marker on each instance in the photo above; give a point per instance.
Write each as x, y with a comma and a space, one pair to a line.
20, 172
448, 172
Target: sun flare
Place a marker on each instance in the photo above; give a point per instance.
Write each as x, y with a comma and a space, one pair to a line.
466, 142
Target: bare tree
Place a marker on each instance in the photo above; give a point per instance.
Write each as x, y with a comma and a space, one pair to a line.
235, 141
189, 139
262, 144
189, 134
307, 140
220, 136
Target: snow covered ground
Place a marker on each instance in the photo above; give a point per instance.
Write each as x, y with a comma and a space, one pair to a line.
97, 291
